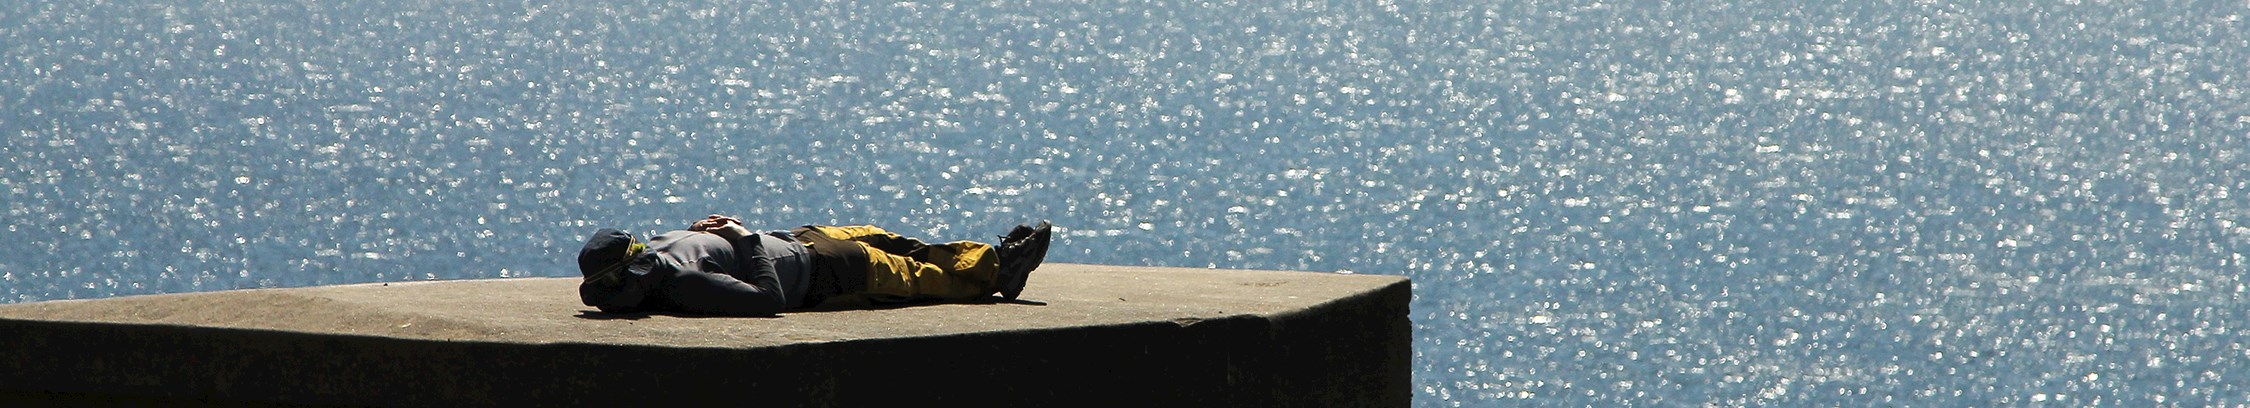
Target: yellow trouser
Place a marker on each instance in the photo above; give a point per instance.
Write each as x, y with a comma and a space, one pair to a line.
901, 269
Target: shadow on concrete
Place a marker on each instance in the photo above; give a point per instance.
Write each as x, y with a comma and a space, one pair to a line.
833, 306
854, 303
601, 315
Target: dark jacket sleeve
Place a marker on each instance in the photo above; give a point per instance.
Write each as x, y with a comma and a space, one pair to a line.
719, 294
757, 268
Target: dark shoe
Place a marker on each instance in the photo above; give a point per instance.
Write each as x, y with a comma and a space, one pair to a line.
1021, 251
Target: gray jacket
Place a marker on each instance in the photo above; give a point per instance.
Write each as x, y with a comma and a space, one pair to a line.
703, 273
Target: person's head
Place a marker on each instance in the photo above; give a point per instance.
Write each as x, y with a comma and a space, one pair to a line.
606, 255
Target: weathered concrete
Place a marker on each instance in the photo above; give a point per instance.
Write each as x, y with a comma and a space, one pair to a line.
1107, 335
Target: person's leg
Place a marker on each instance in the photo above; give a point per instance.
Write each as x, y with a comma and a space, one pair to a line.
904, 269
971, 259
894, 278
874, 237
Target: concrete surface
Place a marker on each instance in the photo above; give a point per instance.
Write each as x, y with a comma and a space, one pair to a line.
1105, 335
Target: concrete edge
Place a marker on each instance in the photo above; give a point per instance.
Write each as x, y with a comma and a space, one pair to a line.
1354, 350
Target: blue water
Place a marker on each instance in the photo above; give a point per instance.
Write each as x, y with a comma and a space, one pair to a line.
1601, 203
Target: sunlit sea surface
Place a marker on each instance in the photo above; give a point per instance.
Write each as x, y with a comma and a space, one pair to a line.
1646, 203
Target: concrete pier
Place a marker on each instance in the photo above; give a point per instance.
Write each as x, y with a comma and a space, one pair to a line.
1105, 336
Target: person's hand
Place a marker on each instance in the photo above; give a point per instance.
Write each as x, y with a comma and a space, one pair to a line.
724, 226
714, 221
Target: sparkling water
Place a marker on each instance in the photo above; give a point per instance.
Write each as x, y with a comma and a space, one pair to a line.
1601, 203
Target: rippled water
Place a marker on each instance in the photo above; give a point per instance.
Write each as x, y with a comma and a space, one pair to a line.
1601, 203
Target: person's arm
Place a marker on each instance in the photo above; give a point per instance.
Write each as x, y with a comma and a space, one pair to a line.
752, 262
719, 294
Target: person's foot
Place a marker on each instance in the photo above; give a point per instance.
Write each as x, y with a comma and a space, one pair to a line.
1021, 251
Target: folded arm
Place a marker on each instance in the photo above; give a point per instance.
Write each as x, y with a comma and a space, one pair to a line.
719, 294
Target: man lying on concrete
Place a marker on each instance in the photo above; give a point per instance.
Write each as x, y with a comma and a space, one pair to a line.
718, 267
